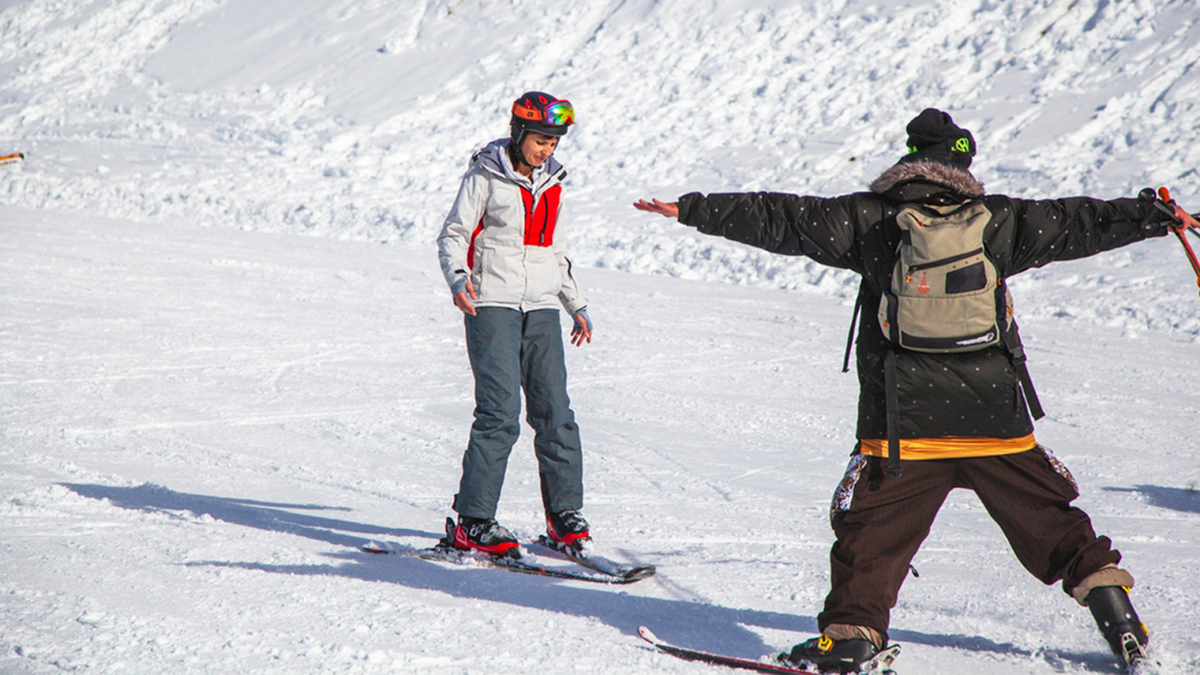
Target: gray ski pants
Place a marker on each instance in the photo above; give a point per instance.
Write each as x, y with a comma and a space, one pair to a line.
510, 351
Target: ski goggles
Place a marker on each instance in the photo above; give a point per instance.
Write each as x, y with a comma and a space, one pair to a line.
557, 114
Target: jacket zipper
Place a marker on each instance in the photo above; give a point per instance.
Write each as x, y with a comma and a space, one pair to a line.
542, 233
532, 215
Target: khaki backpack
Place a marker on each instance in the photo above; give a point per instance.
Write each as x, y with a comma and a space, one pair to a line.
945, 296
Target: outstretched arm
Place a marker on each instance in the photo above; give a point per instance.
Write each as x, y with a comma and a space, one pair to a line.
825, 229
1033, 233
668, 209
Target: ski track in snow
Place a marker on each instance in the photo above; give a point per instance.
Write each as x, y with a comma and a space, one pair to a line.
228, 359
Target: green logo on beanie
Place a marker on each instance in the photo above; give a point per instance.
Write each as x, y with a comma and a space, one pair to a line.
962, 145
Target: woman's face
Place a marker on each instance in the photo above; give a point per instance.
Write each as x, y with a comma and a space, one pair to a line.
537, 148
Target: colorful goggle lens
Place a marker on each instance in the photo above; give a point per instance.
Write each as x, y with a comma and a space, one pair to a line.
560, 113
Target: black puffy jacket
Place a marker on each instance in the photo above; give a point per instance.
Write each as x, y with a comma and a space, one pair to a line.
964, 395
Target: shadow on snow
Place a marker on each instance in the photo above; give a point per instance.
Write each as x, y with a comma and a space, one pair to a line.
246, 512
681, 621
1186, 500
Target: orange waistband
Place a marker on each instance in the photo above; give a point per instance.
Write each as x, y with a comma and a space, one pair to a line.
950, 447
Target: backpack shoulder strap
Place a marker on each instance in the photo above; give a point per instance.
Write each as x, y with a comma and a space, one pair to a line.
858, 303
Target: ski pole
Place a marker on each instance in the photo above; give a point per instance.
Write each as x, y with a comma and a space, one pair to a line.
1163, 202
1187, 223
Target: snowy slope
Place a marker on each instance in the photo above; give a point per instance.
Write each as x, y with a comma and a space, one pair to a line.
216, 380
202, 424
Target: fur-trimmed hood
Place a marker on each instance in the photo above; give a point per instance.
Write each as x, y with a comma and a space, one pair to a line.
959, 180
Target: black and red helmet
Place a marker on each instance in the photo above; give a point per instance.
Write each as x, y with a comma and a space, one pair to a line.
541, 113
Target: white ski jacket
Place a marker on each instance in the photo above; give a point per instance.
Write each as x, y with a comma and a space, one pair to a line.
502, 232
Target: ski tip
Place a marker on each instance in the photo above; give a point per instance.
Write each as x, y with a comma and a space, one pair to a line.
648, 635
639, 573
375, 548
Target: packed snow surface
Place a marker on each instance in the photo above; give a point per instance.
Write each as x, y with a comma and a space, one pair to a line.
228, 358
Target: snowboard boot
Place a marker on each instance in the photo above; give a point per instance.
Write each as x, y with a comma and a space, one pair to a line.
569, 529
486, 535
1127, 636
834, 656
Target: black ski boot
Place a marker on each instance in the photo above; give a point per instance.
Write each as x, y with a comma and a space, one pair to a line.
834, 656
486, 535
569, 529
1127, 636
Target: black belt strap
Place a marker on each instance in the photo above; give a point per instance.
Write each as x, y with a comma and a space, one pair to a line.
893, 413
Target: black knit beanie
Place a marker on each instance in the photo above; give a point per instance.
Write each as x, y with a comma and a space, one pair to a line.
934, 137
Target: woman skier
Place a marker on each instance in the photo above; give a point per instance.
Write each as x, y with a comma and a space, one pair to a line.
504, 258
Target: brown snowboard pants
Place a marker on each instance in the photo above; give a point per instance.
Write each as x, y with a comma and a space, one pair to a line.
880, 523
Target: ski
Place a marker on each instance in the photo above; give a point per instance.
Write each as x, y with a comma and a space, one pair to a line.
597, 563
446, 552
13, 158
717, 659
879, 665
459, 557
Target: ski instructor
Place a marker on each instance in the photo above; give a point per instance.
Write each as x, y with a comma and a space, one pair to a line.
503, 256
943, 379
